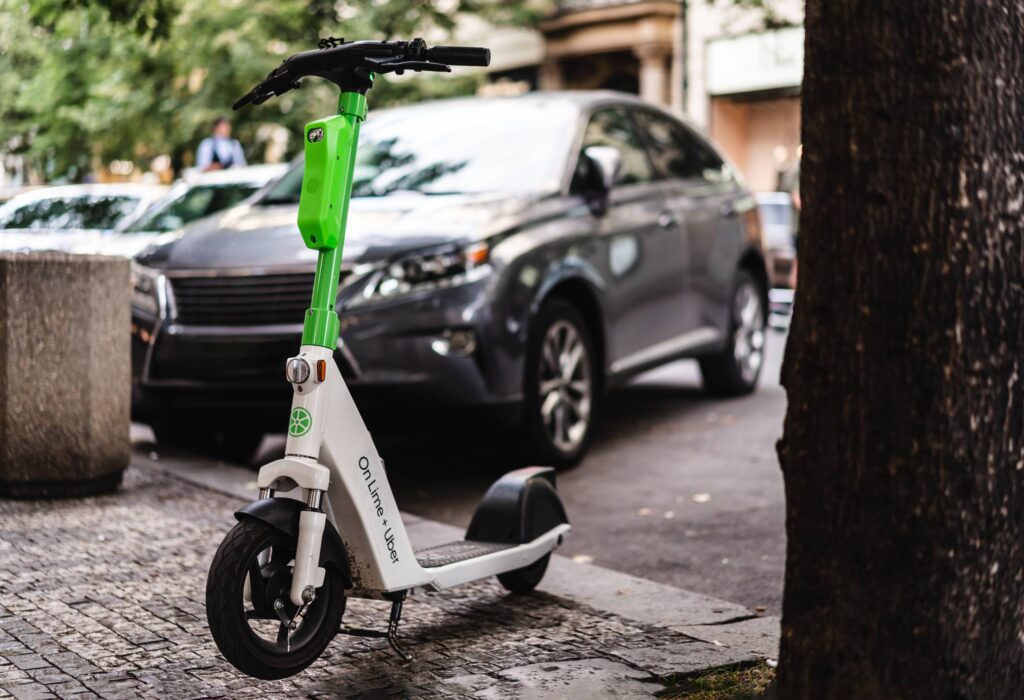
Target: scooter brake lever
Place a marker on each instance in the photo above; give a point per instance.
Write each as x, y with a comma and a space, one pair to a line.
277, 83
400, 66
249, 98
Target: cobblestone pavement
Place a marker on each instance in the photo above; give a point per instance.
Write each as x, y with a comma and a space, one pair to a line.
104, 597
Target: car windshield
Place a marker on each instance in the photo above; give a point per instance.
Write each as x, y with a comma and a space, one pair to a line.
97, 211
456, 147
195, 203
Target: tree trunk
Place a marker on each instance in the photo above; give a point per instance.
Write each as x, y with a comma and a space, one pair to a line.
903, 452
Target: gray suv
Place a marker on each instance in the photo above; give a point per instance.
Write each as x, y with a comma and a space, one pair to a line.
511, 256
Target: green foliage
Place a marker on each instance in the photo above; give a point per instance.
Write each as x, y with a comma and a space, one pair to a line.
148, 17
84, 82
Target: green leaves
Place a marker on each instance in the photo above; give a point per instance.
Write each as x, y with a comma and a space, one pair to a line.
84, 82
146, 17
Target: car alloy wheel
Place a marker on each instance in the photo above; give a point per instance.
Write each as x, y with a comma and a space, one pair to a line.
565, 387
749, 336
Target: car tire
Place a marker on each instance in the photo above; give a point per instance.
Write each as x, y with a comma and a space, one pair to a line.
561, 397
231, 443
735, 370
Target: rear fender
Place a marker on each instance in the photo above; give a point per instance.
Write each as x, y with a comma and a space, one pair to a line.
519, 507
282, 514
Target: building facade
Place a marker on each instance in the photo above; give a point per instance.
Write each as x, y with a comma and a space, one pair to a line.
734, 72
627, 46
744, 85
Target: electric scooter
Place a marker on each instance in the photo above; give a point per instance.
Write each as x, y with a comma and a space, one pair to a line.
279, 581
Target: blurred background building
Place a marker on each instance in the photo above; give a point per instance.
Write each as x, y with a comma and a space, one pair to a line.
731, 68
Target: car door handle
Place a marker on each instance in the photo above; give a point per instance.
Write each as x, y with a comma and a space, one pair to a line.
728, 209
666, 219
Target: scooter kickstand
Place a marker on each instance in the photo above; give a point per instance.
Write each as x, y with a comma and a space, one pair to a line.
391, 635
396, 616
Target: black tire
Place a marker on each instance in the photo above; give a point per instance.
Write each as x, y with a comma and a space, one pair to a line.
541, 447
232, 630
723, 373
525, 579
231, 443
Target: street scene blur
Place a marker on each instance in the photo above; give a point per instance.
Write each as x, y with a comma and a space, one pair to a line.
506, 285
452, 349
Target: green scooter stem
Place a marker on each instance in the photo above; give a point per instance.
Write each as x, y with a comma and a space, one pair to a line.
330, 148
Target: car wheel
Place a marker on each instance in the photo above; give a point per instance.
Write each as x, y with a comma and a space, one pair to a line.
735, 370
231, 443
560, 386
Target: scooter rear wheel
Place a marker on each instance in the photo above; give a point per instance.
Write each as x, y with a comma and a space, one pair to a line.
525, 579
241, 592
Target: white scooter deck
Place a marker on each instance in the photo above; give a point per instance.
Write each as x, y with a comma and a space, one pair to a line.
463, 561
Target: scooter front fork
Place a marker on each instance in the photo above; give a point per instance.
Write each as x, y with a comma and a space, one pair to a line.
307, 574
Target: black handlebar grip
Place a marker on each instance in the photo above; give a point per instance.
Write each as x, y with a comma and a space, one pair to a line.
460, 55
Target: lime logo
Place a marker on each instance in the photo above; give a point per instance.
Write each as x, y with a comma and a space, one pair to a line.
300, 422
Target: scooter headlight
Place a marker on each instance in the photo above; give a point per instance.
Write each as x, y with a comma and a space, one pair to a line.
441, 267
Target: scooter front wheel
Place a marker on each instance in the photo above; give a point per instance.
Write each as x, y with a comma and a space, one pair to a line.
251, 617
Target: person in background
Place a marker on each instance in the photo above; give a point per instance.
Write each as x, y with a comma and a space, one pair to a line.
219, 151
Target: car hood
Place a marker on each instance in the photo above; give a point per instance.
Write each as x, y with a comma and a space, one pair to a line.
62, 240
266, 236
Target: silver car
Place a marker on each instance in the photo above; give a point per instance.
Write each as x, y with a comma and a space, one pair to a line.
72, 218
199, 195
513, 257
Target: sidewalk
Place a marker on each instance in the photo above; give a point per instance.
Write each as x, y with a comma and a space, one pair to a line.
104, 596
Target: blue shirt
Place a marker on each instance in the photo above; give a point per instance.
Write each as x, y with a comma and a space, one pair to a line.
229, 153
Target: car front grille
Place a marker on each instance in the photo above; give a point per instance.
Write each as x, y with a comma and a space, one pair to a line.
243, 300
239, 360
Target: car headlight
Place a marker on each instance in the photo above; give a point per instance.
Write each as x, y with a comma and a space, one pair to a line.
145, 295
440, 267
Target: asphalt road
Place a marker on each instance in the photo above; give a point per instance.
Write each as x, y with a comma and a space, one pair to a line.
678, 487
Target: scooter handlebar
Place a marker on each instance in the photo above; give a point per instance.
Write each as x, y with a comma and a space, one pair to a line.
460, 55
338, 58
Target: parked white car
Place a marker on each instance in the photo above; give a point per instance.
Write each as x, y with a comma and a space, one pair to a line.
71, 218
129, 228
199, 195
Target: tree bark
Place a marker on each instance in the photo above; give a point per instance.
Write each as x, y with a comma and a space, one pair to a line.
903, 452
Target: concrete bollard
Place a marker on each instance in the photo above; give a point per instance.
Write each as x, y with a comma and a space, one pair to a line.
65, 374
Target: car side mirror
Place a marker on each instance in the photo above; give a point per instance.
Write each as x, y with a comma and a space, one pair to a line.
604, 165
